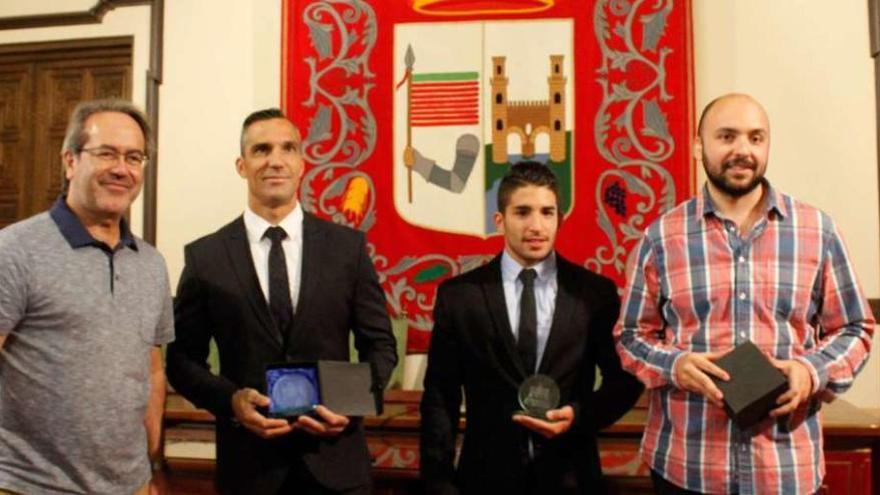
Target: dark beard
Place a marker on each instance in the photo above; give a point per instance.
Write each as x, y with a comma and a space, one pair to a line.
722, 184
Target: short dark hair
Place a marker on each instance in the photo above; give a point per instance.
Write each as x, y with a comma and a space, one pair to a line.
76, 136
259, 115
705, 112
522, 174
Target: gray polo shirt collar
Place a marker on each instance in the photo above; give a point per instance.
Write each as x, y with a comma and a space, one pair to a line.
76, 234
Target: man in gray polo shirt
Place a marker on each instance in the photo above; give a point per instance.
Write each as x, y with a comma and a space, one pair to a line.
84, 307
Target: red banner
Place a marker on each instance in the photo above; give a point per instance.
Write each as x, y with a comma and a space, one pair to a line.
412, 110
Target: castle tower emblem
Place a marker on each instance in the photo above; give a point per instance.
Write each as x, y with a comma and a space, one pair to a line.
528, 119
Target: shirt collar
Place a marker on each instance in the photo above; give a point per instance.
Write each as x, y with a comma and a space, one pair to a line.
75, 232
510, 268
772, 202
256, 225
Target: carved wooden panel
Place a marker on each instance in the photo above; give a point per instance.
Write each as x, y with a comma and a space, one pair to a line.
60, 91
111, 82
39, 86
15, 140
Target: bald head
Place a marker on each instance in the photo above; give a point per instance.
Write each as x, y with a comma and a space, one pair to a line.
738, 101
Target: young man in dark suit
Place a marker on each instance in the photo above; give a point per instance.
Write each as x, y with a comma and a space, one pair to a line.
278, 285
527, 311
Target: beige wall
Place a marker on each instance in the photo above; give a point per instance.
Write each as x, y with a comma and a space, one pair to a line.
222, 61
36, 7
808, 63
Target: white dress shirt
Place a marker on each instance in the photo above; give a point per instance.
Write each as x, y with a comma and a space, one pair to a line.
545, 296
292, 224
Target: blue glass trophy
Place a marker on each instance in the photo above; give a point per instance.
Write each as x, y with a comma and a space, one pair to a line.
292, 390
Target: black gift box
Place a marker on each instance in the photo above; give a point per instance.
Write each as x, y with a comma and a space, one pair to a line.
347, 388
344, 388
754, 385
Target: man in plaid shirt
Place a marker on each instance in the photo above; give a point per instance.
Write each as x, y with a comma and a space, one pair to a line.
741, 261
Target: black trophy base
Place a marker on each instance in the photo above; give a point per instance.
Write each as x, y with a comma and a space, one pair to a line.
754, 385
347, 388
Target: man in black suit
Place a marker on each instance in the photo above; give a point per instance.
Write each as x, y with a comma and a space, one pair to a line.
278, 285
527, 311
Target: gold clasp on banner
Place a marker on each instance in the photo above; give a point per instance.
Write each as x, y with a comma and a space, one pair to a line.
479, 7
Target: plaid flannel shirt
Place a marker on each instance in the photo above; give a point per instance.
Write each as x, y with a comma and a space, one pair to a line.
696, 285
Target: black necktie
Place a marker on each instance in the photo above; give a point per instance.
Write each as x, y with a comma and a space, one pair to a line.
279, 285
527, 342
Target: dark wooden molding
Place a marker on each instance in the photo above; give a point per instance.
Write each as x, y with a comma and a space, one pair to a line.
875, 306
874, 29
154, 80
874, 21
57, 50
95, 15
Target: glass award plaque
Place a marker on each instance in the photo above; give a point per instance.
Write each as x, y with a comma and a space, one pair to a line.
537, 395
292, 391
345, 388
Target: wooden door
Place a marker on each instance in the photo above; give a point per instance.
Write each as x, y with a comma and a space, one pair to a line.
40, 83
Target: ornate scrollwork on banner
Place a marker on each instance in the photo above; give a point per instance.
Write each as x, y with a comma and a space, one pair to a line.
342, 135
345, 66
390, 456
342, 132
631, 129
412, 272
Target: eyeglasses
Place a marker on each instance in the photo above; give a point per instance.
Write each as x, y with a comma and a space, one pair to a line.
110, 155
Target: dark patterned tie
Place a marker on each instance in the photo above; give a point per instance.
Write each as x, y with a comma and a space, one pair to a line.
279, 285
527, 342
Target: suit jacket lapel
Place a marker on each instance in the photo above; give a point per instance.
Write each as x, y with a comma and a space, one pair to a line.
243, 265
312, 261
566, 290
493, 288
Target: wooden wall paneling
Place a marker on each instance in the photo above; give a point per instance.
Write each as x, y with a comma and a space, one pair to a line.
15, 139
111, 82
58, 92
